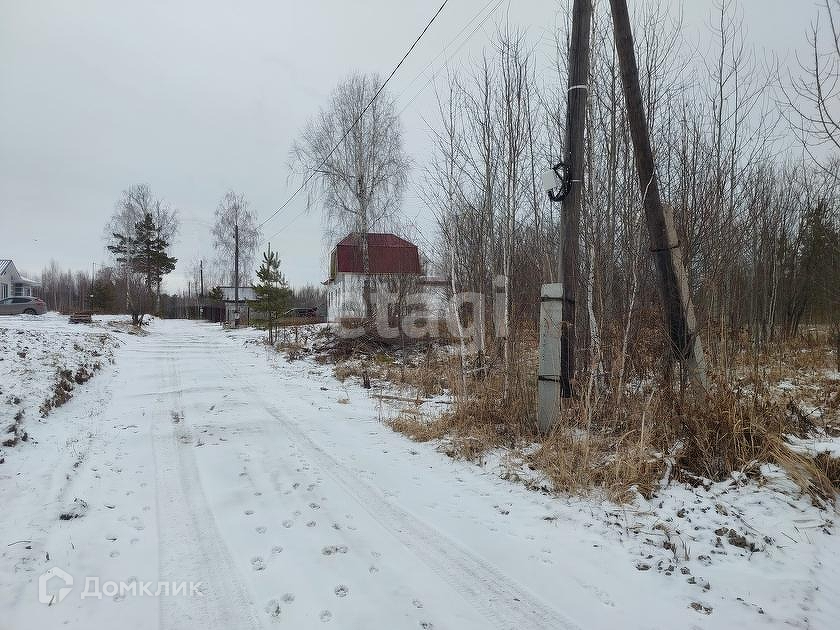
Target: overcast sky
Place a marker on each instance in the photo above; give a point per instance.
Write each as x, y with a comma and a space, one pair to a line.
197, 97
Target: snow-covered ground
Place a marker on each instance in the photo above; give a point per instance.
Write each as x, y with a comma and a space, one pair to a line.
42, 361
201, 456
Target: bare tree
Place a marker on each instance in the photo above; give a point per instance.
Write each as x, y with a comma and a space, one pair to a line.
814, 98
232, 213
354, 148
513, 139
134, 204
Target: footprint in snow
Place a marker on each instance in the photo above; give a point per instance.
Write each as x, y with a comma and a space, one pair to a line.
257, 563
249, 512
325, 616
288, 597
417, 603
114, 554
272, 608
373, 570
261, 529
427, 625
287, 524
311, 524
314, 506
276, 549
342, 590
334, 549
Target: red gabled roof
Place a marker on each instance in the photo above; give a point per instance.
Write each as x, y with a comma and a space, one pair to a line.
387, 253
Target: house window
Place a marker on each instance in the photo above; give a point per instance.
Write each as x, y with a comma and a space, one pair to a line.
4, 291
18, 290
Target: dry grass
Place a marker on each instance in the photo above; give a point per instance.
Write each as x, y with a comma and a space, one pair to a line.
426, 368
646, 436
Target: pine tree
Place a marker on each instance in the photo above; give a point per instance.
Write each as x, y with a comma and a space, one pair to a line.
102, 295
216, 294
272, 291
152, 259
144, 252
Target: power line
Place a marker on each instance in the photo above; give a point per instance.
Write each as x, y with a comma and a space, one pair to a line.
448, 59
498, 3
295, 218
445, 48
358, 118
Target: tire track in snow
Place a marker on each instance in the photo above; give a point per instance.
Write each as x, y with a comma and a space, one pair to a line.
190, 547
499, 599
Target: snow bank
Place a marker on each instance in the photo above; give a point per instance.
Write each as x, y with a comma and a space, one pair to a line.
43, 359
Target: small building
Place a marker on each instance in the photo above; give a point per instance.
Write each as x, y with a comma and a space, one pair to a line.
246, 294
392, 261
12, 284
394, 268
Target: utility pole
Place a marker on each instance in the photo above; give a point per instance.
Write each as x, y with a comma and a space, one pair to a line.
270, 294
557, 312
236, 275
680, 320
201, 276
92, 283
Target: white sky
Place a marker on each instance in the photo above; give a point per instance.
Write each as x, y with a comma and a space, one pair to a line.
198, 96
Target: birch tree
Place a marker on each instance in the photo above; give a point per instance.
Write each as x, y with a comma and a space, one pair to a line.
233, 212
354, 163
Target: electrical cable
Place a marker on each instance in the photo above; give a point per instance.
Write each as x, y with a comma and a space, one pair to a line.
358, 118
498, 3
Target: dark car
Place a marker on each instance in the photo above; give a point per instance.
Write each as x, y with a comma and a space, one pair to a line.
22, 306
301, 312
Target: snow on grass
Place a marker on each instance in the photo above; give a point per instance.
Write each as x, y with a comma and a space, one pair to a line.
816, 445
206, 455
746, 551
42, 361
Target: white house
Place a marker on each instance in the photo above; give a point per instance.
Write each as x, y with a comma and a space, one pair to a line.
12, 284
394, 267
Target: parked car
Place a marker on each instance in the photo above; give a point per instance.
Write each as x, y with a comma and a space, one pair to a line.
22, 306
301, 312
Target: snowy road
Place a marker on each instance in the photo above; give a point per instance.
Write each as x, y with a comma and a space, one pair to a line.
200, 458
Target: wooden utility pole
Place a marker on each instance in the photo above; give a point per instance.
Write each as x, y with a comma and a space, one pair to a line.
236, 275
201, 277
577, 96
680, 319
557, 316
270, 296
